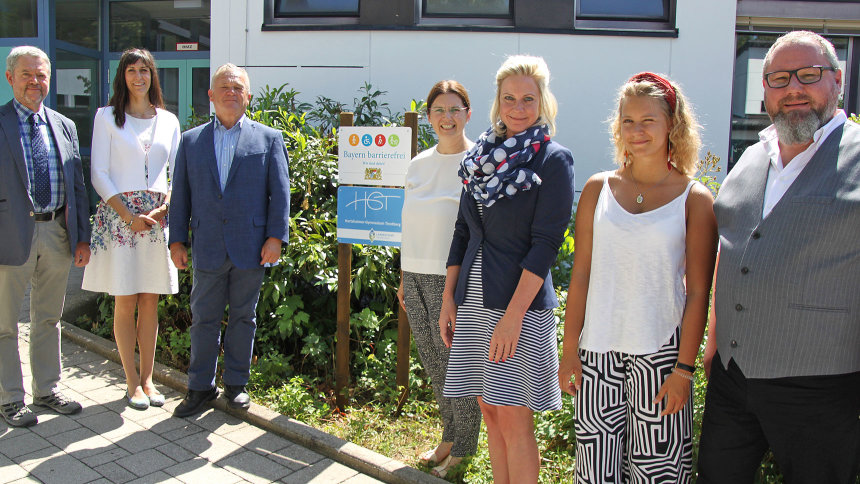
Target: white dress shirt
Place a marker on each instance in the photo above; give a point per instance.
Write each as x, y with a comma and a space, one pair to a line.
779, 176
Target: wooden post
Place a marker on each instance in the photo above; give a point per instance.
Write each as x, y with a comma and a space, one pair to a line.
344, 290
404, 335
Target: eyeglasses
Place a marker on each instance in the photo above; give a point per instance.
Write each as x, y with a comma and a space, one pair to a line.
806, 75
453, 111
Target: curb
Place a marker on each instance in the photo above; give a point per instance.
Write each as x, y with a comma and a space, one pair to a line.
355, 456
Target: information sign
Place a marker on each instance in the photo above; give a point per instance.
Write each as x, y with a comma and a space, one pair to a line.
373, 155
369, 215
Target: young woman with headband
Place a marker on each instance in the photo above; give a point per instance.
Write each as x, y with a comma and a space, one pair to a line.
646, 239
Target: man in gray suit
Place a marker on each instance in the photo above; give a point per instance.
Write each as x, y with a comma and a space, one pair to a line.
785, 338
44, 222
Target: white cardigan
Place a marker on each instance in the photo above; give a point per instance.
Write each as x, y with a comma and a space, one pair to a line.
117, 160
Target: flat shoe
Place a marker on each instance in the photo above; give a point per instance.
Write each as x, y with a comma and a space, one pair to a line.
429, 457
156, 400
138, 403
442, 469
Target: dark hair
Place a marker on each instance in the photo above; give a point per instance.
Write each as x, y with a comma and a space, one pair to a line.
448, 87
119, 100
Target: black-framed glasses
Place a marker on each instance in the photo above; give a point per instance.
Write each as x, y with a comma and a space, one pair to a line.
806, 75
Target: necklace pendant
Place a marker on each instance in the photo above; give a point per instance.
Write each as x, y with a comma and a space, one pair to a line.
639, 199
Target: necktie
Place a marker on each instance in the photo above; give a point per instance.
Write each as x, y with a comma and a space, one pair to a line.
41, 175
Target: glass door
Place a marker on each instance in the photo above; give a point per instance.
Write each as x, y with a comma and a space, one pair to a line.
184, 86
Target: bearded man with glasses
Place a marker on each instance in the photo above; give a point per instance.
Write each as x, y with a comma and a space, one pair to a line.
783, 350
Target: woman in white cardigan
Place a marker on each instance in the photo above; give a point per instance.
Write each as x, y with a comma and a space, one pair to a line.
134, 145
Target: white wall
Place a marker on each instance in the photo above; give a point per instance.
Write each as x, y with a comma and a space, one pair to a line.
586, 69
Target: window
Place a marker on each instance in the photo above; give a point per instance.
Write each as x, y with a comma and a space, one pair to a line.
18, 18
159, 25
77, 78
624, 9
639, 15
466, 8
78, 22
316, 8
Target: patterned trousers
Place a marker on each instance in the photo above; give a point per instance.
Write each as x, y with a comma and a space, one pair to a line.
461, 417
620, 435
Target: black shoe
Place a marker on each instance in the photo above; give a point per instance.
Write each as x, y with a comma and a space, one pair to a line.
194, 401
58, 403
236, 396
16, 414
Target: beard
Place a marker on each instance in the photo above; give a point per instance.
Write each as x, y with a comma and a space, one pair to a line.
798, 127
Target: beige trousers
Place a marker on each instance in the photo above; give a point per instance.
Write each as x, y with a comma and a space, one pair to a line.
47, 269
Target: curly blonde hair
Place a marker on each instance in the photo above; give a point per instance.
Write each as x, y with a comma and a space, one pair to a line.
536, 68
684, 138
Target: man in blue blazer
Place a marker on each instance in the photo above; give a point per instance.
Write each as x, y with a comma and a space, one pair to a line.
44, 222
231, 187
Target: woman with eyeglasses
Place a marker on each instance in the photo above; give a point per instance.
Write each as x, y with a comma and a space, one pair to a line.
646, 240
134, 145
429, 210
497, 303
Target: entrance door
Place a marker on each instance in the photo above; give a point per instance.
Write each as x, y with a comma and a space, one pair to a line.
184, 86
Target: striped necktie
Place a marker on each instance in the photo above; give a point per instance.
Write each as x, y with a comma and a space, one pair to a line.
41, 174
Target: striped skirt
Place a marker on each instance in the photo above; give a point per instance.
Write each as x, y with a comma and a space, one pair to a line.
528, 379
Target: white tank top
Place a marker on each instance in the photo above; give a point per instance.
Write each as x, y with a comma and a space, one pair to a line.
636, 292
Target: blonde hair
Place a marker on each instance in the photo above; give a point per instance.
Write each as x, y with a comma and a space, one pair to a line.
535, 68
684, 138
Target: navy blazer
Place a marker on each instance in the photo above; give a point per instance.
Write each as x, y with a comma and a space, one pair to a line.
254, 206
523, 232
16, 206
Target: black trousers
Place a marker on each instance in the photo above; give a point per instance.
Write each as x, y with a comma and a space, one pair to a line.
811, 423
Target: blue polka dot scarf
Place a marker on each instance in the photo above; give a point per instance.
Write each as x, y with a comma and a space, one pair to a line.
497, 167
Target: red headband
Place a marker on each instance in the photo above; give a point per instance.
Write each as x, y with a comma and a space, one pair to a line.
663, 84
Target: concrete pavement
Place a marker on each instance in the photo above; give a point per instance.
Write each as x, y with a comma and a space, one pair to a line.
110, 442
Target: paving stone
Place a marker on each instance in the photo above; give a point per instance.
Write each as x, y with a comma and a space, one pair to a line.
85, 381
7, 432
99, 367
209, 446
362, 479
89, 409
115, 472
101, 481
258, 440
10, 471
139, 441
187, 430
175, 452
106, 395
253, 467
162, 422
201, 471
22, 444
31, 459
81, 442
63, 469
54, 423
79, 357
146, 462
27, 480
110, 425
325, 471
219, 422
156, 477
295, 457
109, 454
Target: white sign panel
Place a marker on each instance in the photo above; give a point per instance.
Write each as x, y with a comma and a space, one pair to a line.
373, 155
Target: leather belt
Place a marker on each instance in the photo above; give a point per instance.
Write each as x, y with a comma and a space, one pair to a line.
48, 216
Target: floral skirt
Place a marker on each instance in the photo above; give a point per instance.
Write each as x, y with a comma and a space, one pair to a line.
123, 262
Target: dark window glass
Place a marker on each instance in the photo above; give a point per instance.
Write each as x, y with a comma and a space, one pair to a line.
78, 22
18, 18
298, 8
624, 9
199, 91
467, 8
169, 79
159, 25
77, 89
748, 111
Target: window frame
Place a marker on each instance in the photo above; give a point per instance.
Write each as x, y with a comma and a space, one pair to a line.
425, 15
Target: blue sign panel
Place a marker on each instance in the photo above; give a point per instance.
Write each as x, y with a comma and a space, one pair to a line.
369, 215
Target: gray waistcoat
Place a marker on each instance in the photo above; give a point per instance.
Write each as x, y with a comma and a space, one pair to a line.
788, 286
